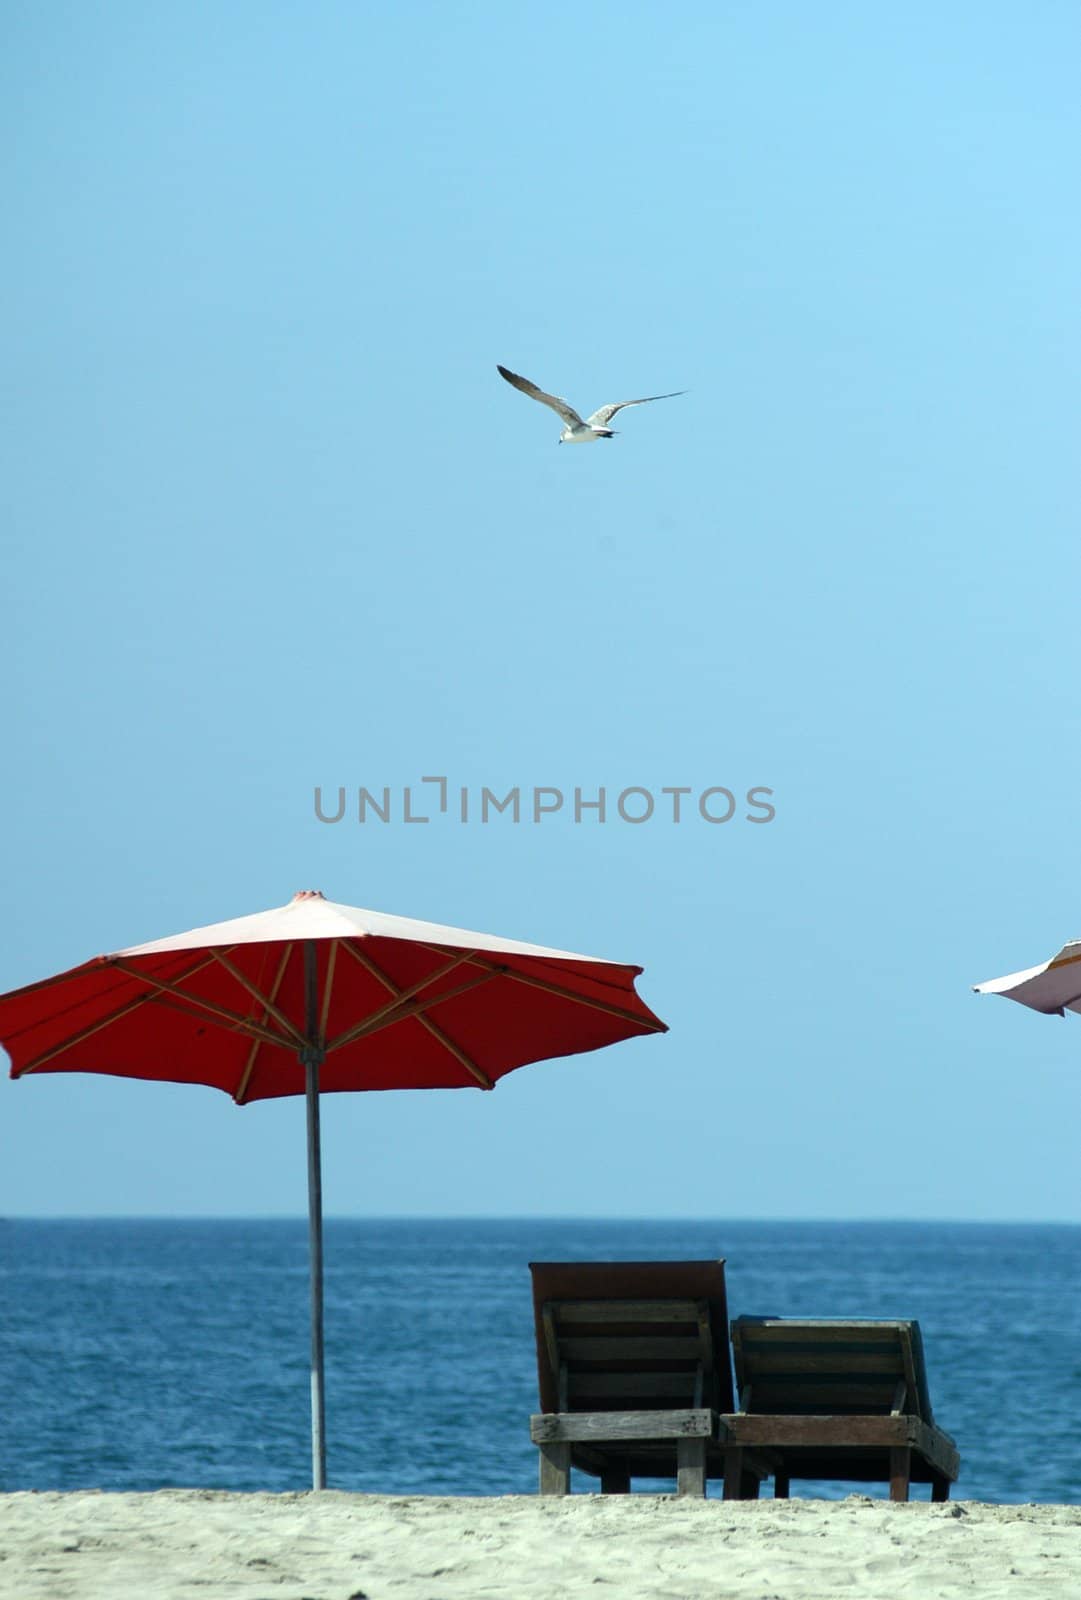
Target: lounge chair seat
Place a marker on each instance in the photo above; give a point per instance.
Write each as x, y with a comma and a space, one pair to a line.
634, 1370
842, 1400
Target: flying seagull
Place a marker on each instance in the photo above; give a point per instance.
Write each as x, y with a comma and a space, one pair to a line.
578, 431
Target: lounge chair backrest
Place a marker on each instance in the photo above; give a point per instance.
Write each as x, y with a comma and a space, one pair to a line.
631, 1336
797, 1367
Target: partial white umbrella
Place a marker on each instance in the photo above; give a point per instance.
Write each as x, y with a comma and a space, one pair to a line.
1054, 987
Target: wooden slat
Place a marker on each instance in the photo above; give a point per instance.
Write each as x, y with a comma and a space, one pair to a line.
820, 1400
827, 1433
889, 1362
633, 1347
821, 1432
852, 1408
600, 1426
628, 1385
796, 1384
819, 1329
802, 1343
605, 1311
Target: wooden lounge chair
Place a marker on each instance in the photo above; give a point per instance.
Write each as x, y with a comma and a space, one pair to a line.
634, 1369
837, 1400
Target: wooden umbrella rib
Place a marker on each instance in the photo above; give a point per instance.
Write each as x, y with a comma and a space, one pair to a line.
207, 1007
399, 995
103, 1022
649, 1024
389, 1015
187, 1008
327, 987
270, 1009
457, 1052
364, 959
245, 1027
58, 978
433, 1028
458, 958
249, 1066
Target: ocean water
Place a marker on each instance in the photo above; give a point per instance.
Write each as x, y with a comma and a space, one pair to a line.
145, 1354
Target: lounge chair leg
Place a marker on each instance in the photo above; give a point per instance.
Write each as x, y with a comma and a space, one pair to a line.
614, 1480
555, 1468
940, 1488
780, 1485
691, 1466
900, 1473
733, 1472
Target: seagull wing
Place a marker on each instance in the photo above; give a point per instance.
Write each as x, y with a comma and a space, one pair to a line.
601, 418
567, 412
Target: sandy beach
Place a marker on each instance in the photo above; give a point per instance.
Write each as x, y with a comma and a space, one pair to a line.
337, 1546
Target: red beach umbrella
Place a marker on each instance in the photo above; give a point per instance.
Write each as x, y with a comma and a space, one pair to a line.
314, 997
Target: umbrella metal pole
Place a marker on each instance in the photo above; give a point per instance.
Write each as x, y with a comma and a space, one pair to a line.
312, 1058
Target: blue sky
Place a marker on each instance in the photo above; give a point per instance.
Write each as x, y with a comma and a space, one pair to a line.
275, 522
